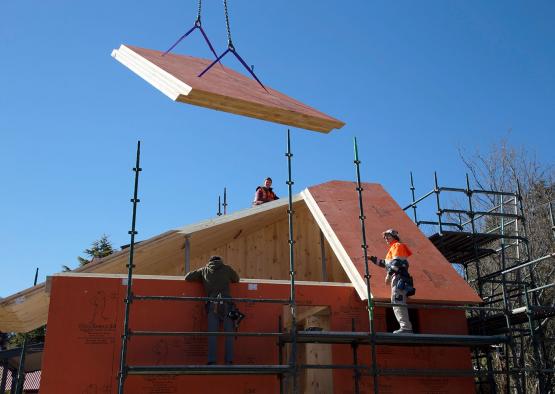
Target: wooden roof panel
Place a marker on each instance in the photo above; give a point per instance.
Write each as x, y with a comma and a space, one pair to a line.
335, 205
221, 88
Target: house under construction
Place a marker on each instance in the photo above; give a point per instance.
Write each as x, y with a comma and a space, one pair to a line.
331, 338
318, 316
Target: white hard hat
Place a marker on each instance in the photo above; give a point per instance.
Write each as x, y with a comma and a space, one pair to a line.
392, 232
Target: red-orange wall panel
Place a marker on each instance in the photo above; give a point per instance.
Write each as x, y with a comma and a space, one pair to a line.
85, 325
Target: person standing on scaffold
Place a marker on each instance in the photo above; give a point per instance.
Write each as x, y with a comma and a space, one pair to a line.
402, 285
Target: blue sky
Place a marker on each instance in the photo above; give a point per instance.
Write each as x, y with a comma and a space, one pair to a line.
414, 81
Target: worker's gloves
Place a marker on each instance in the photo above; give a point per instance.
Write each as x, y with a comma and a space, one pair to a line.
374, 259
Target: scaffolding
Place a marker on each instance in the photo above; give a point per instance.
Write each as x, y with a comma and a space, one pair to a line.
278, 369
287, 371
487, 239
15, 370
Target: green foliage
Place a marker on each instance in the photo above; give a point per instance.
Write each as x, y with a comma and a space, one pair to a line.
102, 247
35, 336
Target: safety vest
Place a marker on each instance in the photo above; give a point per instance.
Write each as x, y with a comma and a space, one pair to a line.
397, 250
267, 194
396, 260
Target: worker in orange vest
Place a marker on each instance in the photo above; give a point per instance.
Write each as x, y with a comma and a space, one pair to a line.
264, 193
402, 285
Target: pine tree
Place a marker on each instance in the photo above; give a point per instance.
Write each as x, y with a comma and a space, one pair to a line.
102, 247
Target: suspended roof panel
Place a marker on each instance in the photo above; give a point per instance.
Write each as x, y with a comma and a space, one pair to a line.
222, 89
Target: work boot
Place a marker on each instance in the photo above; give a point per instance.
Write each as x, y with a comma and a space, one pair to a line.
402, 331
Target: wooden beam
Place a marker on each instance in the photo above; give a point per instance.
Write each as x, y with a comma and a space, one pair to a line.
337, 247
318, 381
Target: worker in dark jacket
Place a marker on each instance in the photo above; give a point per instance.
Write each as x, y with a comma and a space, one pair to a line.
216, 277
264, 193
397, 268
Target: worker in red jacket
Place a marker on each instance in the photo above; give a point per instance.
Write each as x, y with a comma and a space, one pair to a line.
402, 286
264, 193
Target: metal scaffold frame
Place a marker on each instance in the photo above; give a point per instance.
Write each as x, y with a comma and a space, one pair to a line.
511, 307
291, 369
293, 336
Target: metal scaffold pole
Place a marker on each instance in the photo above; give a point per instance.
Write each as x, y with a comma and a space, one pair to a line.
520, 324
412, 190
364, 246
129, 297
290, 212
23, 355
536, 331
507, 307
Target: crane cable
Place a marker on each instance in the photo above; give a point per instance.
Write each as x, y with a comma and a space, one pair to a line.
196, 25
230, 46
199, 10
228, 28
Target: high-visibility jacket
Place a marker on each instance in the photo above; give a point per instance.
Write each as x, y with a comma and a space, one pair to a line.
397, 250
264, 194
396, 262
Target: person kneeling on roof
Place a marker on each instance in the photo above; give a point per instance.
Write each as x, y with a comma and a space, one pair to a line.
402, 285
264, 193
216, 277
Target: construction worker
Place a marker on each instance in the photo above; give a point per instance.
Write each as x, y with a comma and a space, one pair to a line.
398, 276
216, 277
264, 193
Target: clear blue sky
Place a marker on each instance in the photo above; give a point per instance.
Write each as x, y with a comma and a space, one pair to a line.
413, 80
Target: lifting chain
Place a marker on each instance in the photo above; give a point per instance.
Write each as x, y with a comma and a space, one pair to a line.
229, 42
198, 12
230, 46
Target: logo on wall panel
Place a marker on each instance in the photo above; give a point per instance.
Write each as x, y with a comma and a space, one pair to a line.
99, 302
98, 324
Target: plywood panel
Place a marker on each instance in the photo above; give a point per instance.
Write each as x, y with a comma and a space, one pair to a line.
264, 253
221, 89
318, 381
28, 308
335, 204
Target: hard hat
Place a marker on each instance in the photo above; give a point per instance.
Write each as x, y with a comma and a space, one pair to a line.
392, 232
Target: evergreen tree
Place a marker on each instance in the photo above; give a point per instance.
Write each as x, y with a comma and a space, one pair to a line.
102, 247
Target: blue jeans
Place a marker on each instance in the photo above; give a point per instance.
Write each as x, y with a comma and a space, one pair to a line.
214, 320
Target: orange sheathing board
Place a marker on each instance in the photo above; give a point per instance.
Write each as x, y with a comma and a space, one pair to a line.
85, 324
435, 279
221, 88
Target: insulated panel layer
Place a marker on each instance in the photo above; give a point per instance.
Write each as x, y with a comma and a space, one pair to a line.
85, 324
